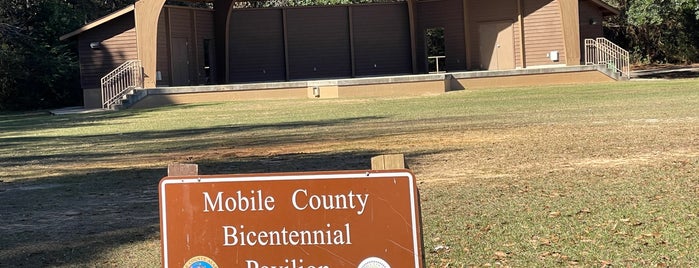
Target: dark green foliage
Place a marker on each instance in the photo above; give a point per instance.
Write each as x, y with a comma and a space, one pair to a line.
658, 31
37, 70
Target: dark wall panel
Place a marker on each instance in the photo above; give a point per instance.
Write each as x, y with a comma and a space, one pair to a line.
448, 14
381, 35
318, 43
204, 25
256, 46
117, 45
183, 59
163, 51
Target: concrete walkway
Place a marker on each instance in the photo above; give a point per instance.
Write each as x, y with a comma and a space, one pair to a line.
659, 73
75, 110
667, 73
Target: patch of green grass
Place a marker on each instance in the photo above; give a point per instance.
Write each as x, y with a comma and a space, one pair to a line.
578, 175
576, 218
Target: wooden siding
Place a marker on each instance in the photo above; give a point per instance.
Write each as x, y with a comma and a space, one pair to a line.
589, 14
570, 23
180, 22
381, 37
318, 43
180, 45
118, 44
450, 15
590, 24
204, 26
490, 11
163, 59
181, 28
256, 55
543, 32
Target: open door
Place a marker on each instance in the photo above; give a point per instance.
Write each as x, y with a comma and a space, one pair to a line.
497, 49
436, 55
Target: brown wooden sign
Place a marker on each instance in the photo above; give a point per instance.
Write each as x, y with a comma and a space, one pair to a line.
362, 219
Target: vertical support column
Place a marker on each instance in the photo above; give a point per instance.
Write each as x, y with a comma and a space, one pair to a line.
146, 14
520, 18
169, 47
413, 42
570, 18
467, 33
195, 47
222, 13
286, 45
351, 39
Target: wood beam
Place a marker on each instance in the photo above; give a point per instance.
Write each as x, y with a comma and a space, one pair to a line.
413, 42
467, 34
222, 12
146, 15
520, 17
570, 17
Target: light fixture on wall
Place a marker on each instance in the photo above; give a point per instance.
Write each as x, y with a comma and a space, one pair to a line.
95, 45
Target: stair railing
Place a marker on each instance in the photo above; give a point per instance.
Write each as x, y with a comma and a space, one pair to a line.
120, 81
603, 51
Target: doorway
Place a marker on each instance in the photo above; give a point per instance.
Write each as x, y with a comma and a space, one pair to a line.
180, 62
497, 49
436, 50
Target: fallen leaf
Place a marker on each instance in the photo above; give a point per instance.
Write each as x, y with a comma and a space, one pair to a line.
439, 249
584, 211
545, 254
500, 255
544, 242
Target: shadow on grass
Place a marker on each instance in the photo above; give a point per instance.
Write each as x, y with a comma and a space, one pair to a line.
673, 75
72, 219
76, 220
40, 120
110, 145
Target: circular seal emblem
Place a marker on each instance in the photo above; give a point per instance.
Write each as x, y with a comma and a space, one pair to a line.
200, 262
373, 262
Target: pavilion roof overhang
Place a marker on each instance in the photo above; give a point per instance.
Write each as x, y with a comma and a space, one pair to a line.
607, 9
98, 22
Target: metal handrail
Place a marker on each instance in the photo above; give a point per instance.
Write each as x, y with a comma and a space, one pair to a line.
120, 81
603, 51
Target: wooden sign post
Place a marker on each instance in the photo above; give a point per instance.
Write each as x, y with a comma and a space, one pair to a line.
362, 219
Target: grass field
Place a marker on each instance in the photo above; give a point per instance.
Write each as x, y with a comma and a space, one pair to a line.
582, 176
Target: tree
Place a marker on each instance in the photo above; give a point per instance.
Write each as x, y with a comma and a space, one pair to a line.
658, 31
36, 69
